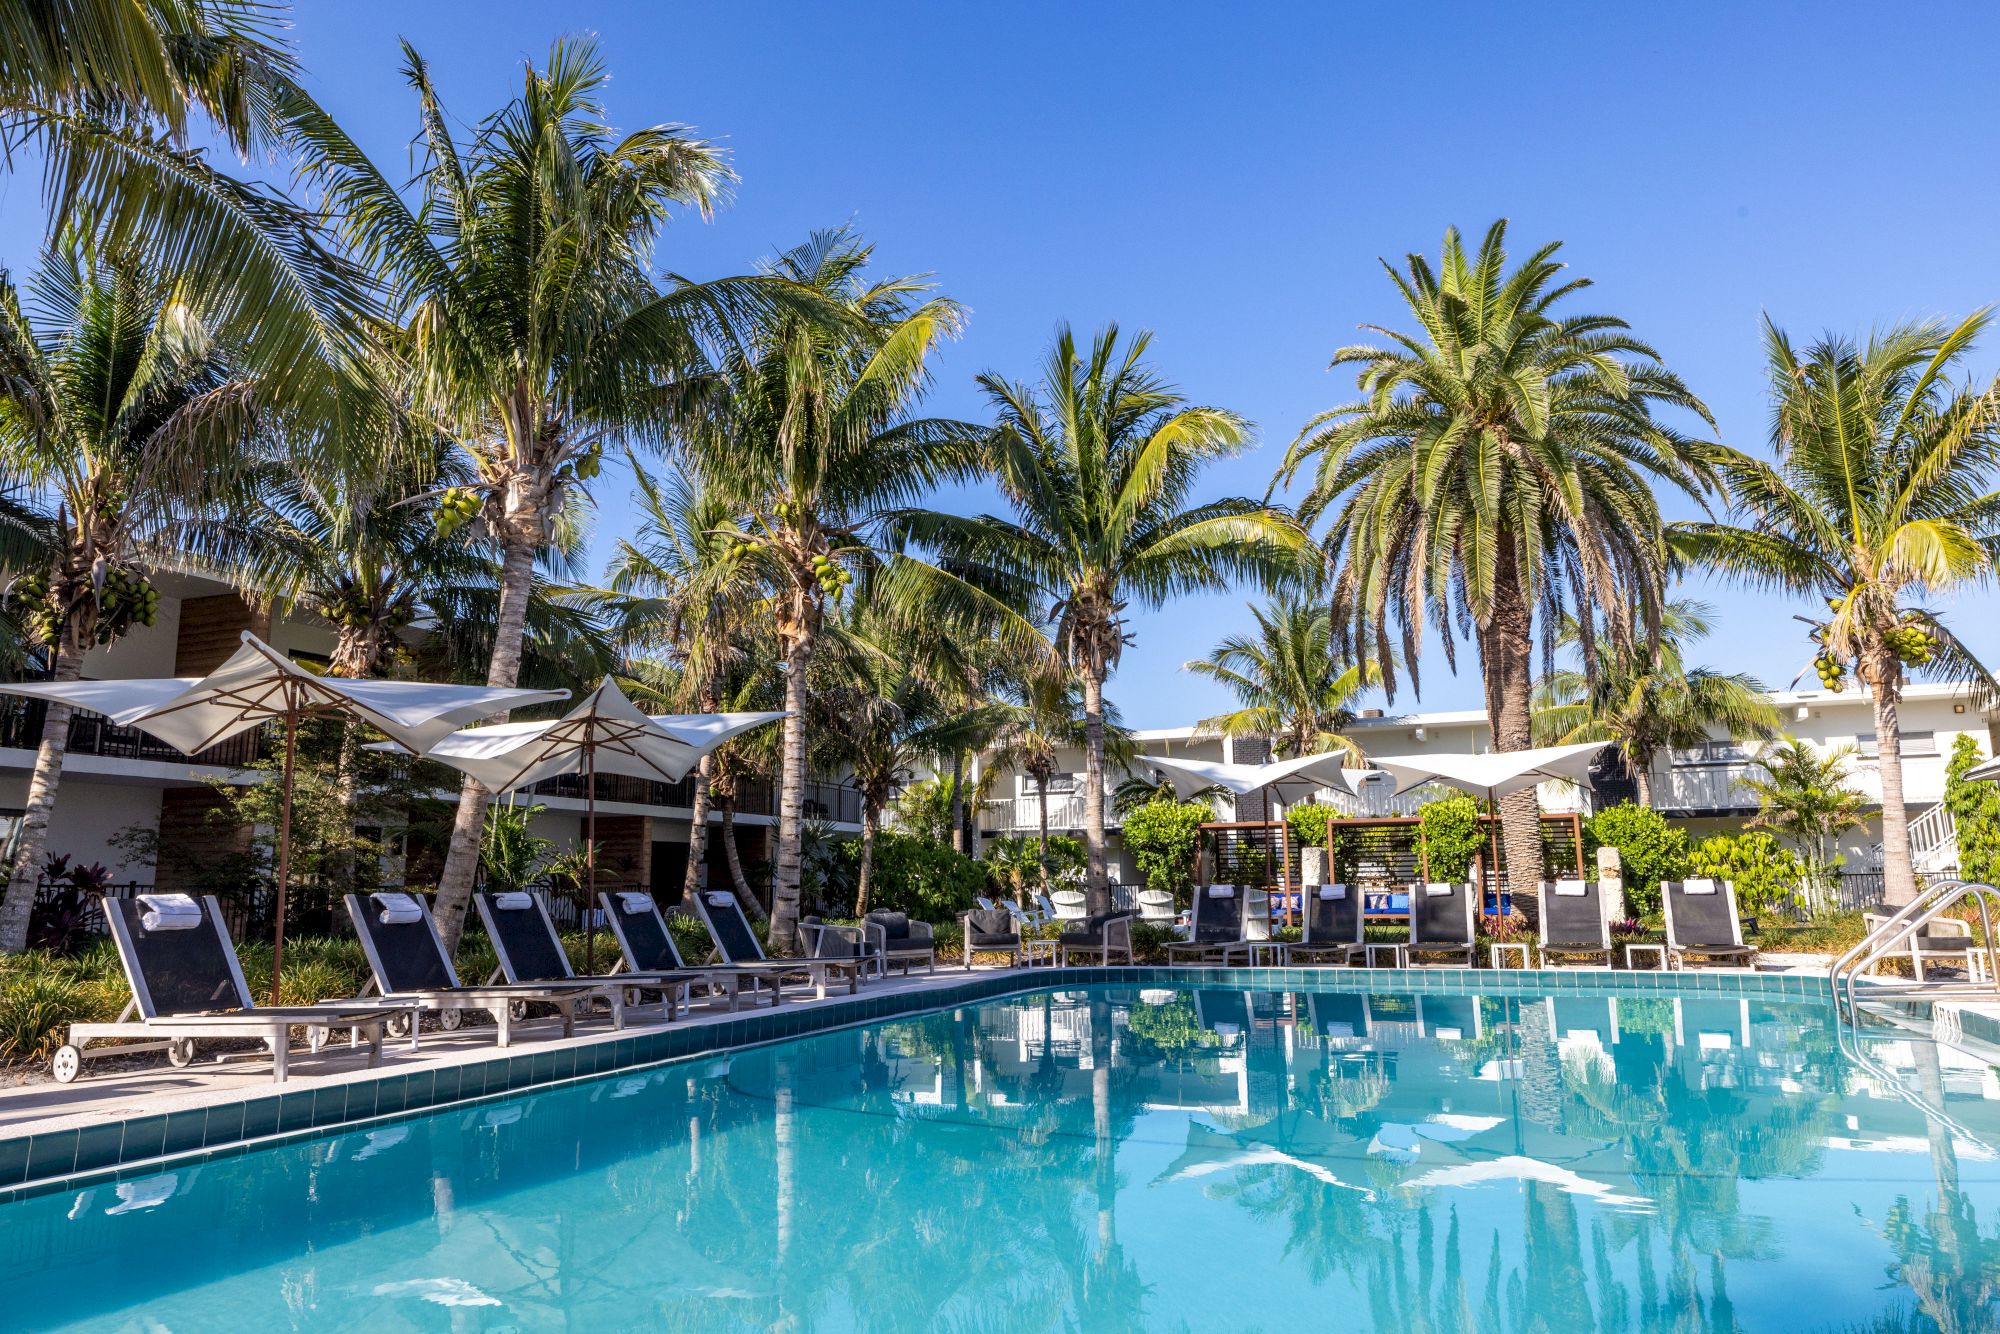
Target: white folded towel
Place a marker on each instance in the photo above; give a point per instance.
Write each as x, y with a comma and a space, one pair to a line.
1222, 891
169, 912
1697, 887
1435, 889
636, 903
1573, 889
514, 900
1333, 891
399, 909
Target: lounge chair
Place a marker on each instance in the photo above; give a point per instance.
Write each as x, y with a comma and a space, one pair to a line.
647, 946
898, 938
1583, 1026
991, 931
1215, 925
1449, 1018
1575, 922
529, 950
1223, 1013
1711, 1024
1332, 925
1338, 1014
1942, 940
738, 944
187, 984
1046, 907
984, 903
407, 962
1025, 918
1156, 907
1067, 905
1441, 922
1702, 924
1103, 935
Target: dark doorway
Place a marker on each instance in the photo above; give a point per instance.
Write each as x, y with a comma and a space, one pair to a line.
670, 864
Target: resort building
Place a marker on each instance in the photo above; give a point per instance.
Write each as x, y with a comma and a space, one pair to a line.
119, 781
1702, 788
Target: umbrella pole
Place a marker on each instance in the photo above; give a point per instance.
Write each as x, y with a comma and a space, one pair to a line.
1493, 827
589, 857
1284, 857
284, 849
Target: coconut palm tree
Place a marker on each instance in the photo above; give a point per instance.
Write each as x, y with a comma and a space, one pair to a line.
811, 432
122, 410
1650, 702
1880, 494
1099, 464
1041, 724
533, 333
1497, 464
1294, 689
110, 93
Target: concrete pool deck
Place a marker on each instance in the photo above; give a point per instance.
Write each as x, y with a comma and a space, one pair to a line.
120, 1123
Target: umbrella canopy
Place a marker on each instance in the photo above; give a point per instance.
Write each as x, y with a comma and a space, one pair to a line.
1495, 774
1290, 778
258, 684
606, 732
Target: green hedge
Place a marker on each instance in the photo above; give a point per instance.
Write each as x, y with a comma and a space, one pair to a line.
1449, 837
1765, 873
1163, 838
1649, 849
917, 876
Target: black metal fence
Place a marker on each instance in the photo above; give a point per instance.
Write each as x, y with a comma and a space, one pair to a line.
21, 722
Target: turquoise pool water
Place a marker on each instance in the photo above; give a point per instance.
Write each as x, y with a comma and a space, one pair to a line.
1112, 1159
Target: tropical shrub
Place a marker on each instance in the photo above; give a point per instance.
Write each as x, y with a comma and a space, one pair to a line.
41, 996
1316, 826
917, 876
1164, 838
1765, 872
1975, 809
1649, 849
1449, 837
57, 923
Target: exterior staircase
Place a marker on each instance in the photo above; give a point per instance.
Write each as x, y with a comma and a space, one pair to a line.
1933, 843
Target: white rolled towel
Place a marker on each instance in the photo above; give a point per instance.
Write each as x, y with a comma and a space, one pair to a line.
514, 900
636, 903
169, 912
1333, 891
722, 898
1572, 889
1437, 889
1697, 887
1222, 891
398, 909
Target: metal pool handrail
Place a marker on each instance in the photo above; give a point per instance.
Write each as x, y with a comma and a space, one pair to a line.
1891, 936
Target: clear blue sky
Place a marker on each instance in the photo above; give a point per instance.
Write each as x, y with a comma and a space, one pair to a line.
1227, 179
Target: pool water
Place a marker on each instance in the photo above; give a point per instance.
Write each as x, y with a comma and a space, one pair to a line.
1112, 1159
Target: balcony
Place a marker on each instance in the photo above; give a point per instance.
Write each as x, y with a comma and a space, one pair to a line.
824, 799
93, 734
1377, 801
1710, 787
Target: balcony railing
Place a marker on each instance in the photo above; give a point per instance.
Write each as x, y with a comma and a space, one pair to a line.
824, 800
93, 734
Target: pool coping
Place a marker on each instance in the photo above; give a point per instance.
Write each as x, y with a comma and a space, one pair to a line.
69, 1158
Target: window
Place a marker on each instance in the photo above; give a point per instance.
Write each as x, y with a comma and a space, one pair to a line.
1059, 784
1711, 752
1915, 744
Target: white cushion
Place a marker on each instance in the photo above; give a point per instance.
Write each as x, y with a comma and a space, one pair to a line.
1333, 891
514, 900
1222, 891
399, 909
1436, 889
169, 912
1697, 887
1572, 889
635, 902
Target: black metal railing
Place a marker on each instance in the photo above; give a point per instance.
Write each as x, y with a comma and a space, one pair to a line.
21, 722
824, 800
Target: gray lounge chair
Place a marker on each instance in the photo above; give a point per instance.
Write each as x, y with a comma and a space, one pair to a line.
1215, 925
738, 944
1575, 922
1702, 924
407, 962
1441, 922
1103, 936
529, 950
991, 931
647, 946
187, 984
898, 938
1332, 925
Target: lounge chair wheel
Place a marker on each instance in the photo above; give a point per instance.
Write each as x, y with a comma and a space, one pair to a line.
518, 1009
449, 1020
180, 1052
397, 1025
66, 1064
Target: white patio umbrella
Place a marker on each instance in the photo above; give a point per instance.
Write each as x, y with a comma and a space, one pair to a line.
259, 685
1495, 774
1300, 776
605, 733
1988, 770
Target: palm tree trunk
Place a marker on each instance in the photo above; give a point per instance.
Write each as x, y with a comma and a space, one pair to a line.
1642, 778
958, 801
734, 857
19, 905
1507, 657
517, 573
1095, 882
1042, 832
342, 865
870, 817
791, 798
697, 866
1899, 872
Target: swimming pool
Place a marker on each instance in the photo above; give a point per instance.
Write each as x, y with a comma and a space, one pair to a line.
1112, 1158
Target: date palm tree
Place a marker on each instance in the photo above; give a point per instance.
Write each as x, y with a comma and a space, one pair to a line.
1650, 702
1880, 495
122, 410
1099, 464
812, 435
1294, 689
1497, 464
532, 332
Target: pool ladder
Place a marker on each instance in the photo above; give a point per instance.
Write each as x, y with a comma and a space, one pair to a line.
1891, 939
